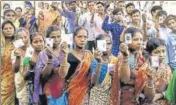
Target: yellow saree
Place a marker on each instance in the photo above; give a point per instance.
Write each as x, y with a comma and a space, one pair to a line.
7, 75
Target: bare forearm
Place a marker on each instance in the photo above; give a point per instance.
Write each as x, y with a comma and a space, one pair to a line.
96, 75
125, 72
47, 69
17, 64
64, 67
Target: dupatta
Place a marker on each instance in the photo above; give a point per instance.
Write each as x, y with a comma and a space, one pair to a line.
171, 90
78, 85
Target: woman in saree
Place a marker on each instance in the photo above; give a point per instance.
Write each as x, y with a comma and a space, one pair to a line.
29, 21
126, 88
48, 18
52, 68
100, 92
161, 74
82, 65
7, 73
37, 43
17, 57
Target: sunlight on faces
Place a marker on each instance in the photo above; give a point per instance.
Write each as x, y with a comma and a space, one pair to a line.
160, 52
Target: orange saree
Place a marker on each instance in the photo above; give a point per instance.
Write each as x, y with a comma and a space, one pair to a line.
79, 84
7, 75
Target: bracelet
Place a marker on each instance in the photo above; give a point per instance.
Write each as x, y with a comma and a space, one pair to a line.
49, 62
30, 71
65, 65
126, 60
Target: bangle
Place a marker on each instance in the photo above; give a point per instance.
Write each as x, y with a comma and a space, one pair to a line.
126, 60
65, 65
30, 71
49, 62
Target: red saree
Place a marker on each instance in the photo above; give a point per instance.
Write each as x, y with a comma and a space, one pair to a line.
78, 85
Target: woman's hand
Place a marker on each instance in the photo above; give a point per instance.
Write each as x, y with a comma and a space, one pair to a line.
124, 49
64, 48
157, 97
97, 55
17, 53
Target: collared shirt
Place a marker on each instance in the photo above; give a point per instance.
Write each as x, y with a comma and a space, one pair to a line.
171, 49
116, 31
85, 21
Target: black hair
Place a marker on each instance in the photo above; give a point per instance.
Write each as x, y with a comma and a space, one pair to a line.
134, 11
161, 13
34, 35
130, 4
77, 29
120, 2
51, 29
169, 17
20, 29
6, 4
153, 43
154, 8
9, 22
100, 3
132, 31
71, 2
9, 10
18, 8
117, 10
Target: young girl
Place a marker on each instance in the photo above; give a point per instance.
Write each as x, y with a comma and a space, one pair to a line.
161, 74
52, 68
37, 42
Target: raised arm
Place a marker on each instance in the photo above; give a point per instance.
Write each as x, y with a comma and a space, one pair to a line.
106, 26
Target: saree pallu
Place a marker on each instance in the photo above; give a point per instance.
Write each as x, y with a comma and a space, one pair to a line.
7, 82
79, 84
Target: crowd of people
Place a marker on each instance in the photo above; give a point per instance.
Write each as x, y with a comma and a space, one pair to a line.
88, 53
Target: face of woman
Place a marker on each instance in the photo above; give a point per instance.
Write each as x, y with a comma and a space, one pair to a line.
38, 43
160, 51
81, 38
137, 41
24, 36
10, 16
56, 36
8, 30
